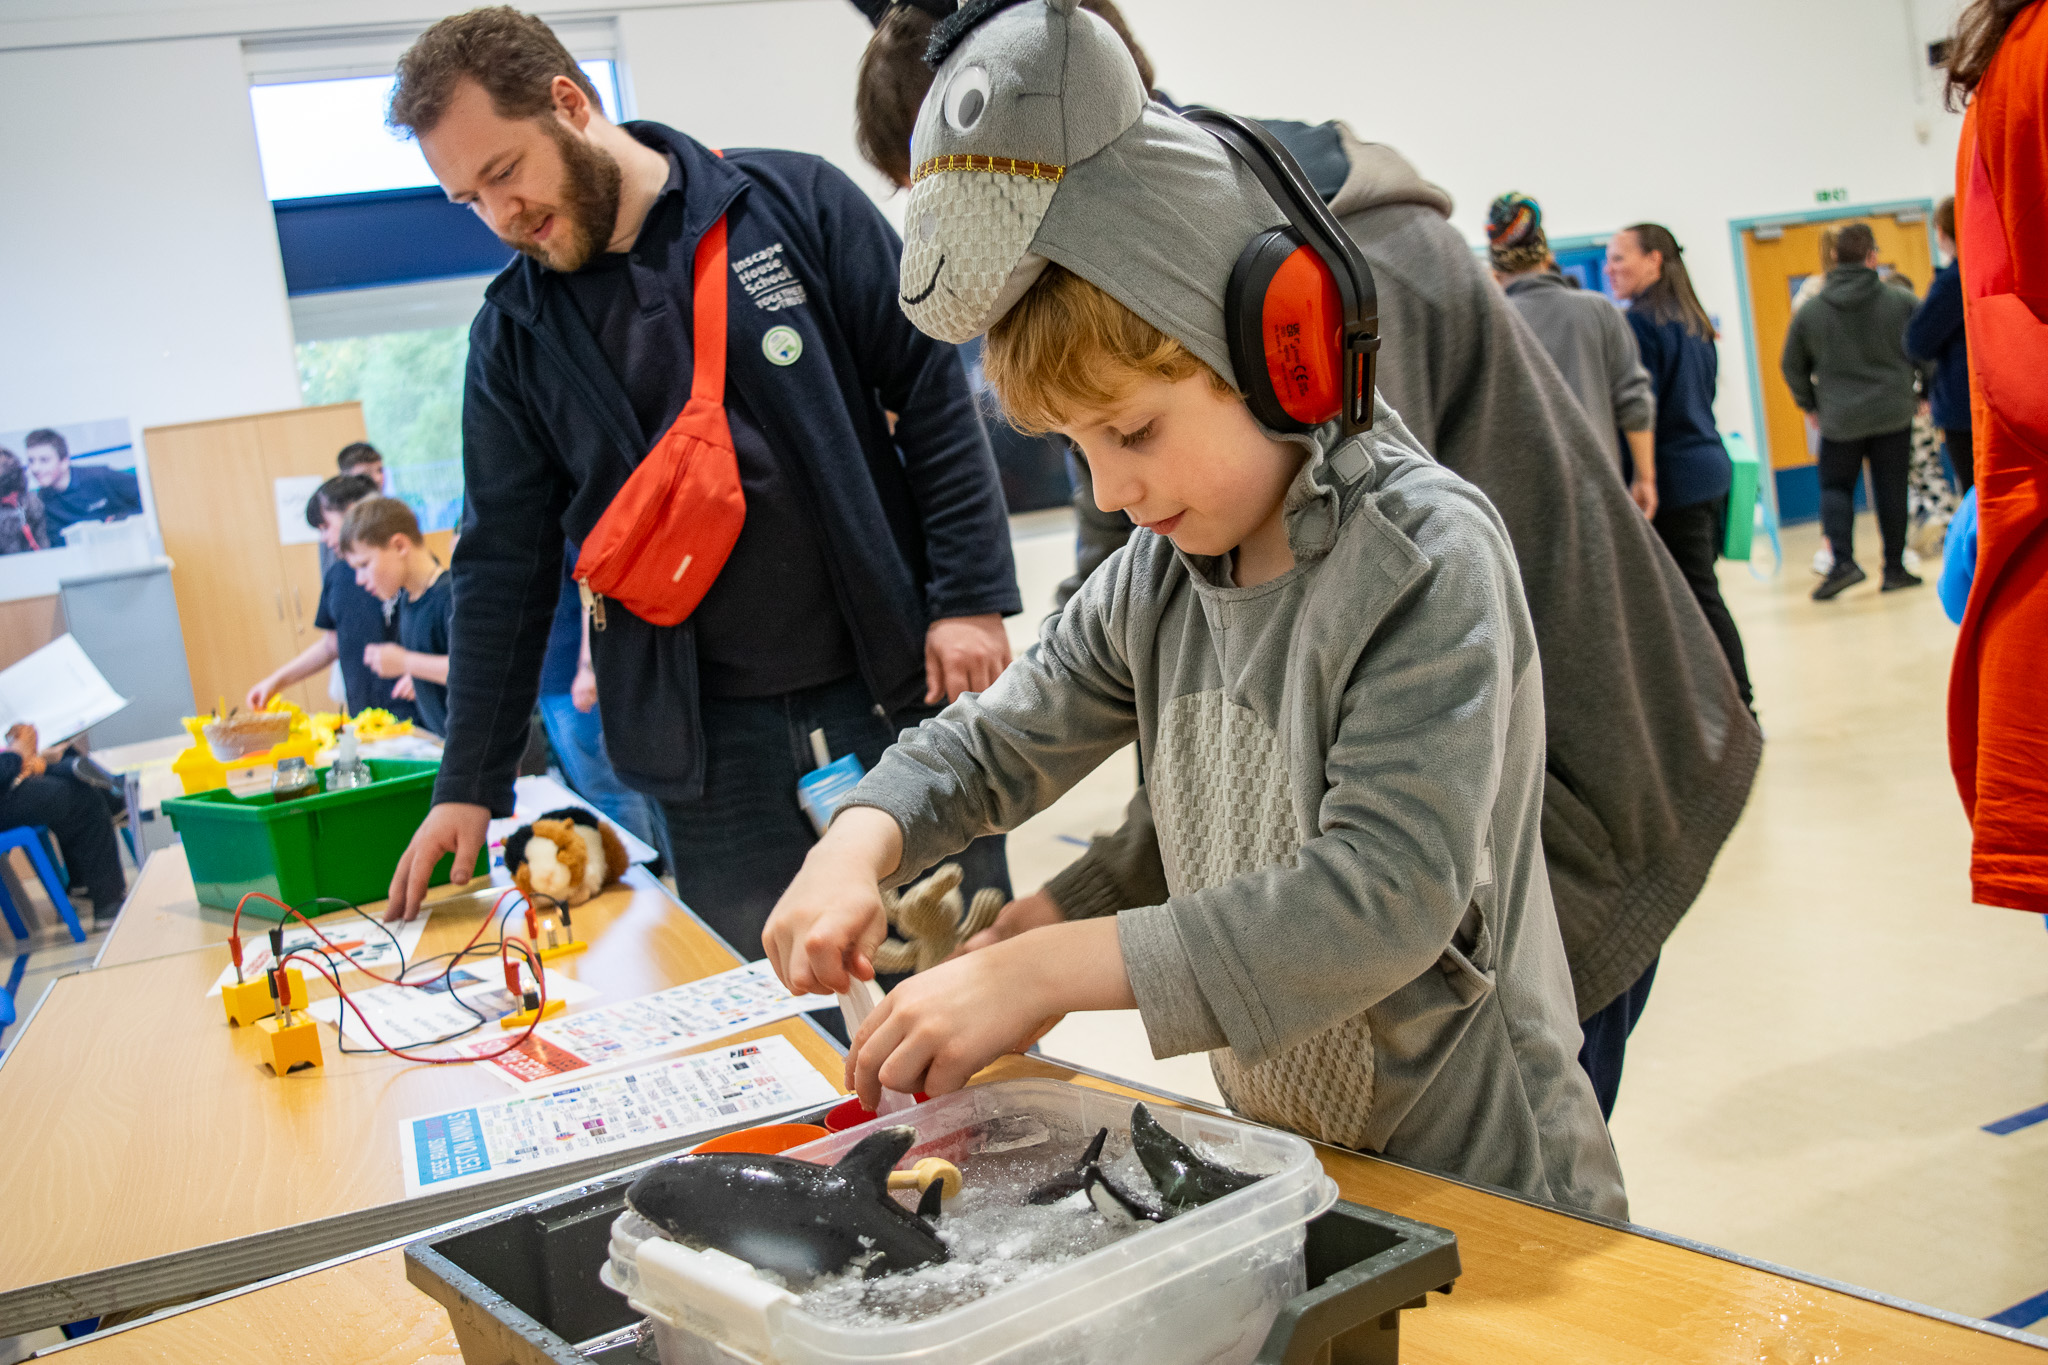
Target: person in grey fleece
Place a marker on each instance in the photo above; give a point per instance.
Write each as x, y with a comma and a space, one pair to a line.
1584, 334
1845, 359
1651, 752
1347, 756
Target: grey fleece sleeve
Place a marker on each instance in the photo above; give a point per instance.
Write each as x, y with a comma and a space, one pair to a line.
992, 760
1635, 401
1268, 959
1117, 871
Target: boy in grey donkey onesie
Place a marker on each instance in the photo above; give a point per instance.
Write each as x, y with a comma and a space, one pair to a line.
1320, 646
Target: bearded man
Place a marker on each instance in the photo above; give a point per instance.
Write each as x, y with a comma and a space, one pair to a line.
869, 579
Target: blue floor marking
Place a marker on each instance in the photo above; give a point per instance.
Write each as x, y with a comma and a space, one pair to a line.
2026, 1118
2025, 1313
1070, 839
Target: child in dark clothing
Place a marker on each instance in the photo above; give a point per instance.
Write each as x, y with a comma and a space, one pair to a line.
381, 541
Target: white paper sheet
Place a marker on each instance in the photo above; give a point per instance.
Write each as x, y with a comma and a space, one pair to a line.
414, 1017
652, 1107
683, 1016
291, 495
57, 690
361, 945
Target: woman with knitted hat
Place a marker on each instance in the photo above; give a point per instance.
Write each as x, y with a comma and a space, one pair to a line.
1586, 335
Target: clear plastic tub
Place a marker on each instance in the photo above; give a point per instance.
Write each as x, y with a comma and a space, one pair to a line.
1200, 1289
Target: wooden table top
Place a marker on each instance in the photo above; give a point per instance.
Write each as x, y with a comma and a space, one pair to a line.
1538, 1286
138, 1124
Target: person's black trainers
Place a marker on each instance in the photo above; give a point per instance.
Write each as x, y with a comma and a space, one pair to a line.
1895, 579
1842, 576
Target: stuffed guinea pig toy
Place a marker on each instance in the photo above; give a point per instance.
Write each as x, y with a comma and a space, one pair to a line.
567, 855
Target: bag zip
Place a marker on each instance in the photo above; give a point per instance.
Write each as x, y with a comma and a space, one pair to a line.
592, 603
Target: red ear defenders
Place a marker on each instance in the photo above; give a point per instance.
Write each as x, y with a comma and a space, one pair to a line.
1300, 312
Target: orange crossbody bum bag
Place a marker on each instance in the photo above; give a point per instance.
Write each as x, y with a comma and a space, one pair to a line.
668, 532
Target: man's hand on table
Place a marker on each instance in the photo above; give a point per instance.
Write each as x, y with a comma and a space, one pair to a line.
963, 654
451, 827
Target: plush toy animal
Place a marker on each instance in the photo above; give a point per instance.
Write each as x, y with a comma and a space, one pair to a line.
567, 855
928, 917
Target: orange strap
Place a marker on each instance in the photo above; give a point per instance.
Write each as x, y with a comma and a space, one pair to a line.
707, 382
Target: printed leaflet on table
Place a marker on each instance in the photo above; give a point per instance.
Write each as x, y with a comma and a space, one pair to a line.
416, 1016
682, 1016
654, 1105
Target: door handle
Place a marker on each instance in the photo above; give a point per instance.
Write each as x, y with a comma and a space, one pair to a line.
298, 607
280, 604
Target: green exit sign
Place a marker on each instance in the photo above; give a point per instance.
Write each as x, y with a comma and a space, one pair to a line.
1837, 195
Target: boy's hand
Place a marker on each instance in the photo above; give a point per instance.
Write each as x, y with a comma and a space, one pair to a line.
934, 1031
1034, 911
386, 660
260, 695
402, 689
826, 927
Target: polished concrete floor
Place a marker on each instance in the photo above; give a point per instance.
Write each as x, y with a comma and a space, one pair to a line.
1833, 1024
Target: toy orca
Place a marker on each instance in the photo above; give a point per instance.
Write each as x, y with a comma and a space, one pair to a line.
1087, 1175
793, 1217
1184, 1179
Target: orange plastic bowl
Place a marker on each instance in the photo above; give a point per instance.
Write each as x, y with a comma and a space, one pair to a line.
766, 1140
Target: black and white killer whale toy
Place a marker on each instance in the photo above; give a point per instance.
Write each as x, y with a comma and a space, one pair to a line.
794, 1217
1183, 1180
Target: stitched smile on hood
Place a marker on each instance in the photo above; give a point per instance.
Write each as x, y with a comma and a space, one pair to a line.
994, 139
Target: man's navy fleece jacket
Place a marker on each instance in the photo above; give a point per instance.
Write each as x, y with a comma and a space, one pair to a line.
914, 525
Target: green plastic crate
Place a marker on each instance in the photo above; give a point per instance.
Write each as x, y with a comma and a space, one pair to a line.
1741, 497
344, 844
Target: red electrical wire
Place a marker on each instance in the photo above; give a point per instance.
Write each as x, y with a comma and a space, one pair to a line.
327, 970
332, 974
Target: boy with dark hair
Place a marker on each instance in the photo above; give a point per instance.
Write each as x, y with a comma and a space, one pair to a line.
1319, 642
81, 493
349, 619
381, 542
361, 458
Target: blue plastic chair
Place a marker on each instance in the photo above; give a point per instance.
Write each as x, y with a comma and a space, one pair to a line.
29, 840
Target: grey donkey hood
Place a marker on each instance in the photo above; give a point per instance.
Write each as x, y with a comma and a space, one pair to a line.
1036, 143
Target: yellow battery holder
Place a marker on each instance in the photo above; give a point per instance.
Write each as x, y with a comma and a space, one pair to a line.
291, 1044
525, 1017
251, 1000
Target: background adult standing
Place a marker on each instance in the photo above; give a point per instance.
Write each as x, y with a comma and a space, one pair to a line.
1845, 359
869, 581
1583, 334
1935, 336
1675, 338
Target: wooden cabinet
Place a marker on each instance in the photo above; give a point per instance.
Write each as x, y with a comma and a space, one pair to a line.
247, 603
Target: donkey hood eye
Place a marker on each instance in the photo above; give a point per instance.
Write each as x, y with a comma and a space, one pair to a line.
966, 98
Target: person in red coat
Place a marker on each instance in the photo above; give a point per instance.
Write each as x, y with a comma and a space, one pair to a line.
1998, 690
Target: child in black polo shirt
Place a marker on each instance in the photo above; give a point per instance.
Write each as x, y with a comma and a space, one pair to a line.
381, 541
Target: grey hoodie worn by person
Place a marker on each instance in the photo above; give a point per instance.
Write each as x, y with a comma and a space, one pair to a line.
1358, 923
1650, 750
1594, 350
1845, 356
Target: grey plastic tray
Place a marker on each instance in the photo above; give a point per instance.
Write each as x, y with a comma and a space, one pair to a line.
521, 1288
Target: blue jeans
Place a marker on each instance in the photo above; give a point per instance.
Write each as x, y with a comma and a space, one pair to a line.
738, 847
578, 741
